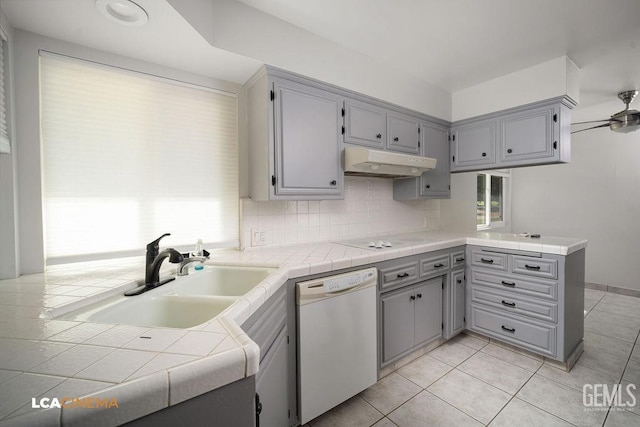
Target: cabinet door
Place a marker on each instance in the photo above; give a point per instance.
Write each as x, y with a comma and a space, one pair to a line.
473, 144
529, 135
307, 142
365, 124
457, 302
272, 384
397, 323
402, 133
428, 311
435, 144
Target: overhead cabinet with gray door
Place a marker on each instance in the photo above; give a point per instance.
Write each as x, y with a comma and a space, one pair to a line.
365, 124
535, 134
402, 133
433, 184
295, 140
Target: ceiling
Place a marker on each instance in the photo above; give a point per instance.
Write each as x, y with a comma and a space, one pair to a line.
452, 44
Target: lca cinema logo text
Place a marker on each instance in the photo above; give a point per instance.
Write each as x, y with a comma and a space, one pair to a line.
599, 397
74, 402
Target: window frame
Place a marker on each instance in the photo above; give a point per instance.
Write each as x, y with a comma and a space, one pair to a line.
505, 174
182, 246
5, 82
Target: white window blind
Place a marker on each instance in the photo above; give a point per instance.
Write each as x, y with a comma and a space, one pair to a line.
5, 145
127, 157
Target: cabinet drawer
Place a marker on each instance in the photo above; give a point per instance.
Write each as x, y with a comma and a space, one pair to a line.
540, 267
511, 303
457, 258
538, 288
538, 337
404, 274
489, 260
433, 265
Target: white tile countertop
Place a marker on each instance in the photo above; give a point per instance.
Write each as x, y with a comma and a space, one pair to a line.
148, 369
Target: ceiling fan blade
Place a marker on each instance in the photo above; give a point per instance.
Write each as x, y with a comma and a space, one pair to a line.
591, 121
594, 127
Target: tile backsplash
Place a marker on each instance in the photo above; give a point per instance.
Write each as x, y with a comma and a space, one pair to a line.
368, 209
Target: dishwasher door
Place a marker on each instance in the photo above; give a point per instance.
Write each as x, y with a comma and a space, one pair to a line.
337, 339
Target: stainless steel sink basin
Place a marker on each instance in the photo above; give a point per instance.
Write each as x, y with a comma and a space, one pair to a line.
183, 303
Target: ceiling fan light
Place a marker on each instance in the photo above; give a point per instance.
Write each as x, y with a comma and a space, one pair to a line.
625, 121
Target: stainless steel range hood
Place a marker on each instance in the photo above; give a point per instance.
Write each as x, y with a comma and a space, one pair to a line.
361, 161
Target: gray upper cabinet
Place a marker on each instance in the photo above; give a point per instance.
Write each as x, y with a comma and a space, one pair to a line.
365, 124
529, 135
402, 133
534, 134
435, 143
307, 141
434, 184
473, 145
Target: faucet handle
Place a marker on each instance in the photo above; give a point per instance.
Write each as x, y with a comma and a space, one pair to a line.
155, 245
205, 253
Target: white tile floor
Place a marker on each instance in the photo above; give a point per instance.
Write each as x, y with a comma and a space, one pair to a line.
471, 382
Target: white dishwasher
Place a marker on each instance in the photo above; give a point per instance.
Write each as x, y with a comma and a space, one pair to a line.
337, 339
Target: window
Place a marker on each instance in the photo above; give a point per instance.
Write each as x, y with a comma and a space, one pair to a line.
492, 206
5, 144
127, 157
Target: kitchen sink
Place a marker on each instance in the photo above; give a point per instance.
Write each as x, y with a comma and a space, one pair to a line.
183, 303
223, 281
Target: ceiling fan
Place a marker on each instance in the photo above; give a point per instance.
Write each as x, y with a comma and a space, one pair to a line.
625, 121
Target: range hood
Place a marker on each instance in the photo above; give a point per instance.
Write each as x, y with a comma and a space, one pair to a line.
361, 161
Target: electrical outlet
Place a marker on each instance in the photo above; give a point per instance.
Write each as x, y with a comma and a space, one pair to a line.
258, 237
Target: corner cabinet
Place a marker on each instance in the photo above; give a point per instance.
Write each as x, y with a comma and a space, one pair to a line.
529, 299
535, 134
433, 184
295, 140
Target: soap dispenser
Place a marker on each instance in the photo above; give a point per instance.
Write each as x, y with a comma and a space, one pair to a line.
198, 251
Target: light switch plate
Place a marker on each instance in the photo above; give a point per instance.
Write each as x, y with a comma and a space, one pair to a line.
258, 237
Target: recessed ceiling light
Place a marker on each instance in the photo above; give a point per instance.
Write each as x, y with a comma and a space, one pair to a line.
123, 12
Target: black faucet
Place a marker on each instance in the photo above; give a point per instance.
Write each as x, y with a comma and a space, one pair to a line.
153, 262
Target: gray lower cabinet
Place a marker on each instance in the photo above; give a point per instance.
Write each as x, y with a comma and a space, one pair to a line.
457, 303
534, 134
271, 384
410, 317
275, 381
433, 184
529, 299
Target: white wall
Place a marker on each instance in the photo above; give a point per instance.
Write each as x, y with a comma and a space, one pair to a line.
550, 79
596, 196
27, 144
238, 28
9, 260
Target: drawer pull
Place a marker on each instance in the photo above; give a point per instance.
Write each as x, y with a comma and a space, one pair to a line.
419, 295
510, 284
486, 261
459, 280
512, 330
411, 298
508, 304
400, 276
532, 267
459, 259
438, 265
